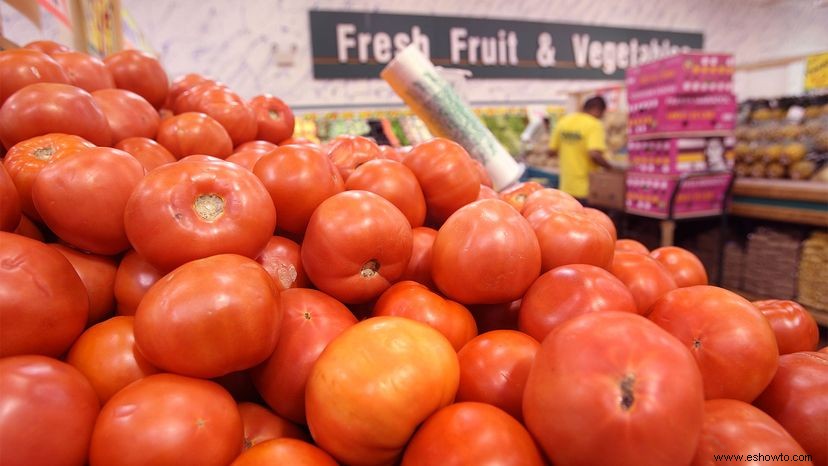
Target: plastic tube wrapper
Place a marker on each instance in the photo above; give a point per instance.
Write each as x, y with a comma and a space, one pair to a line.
415, 79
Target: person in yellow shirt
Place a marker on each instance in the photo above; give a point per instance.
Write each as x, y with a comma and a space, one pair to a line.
578, 141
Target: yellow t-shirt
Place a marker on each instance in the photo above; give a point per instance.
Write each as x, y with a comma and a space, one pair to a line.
573, 137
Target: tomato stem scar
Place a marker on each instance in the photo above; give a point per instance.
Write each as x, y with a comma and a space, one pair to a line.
209, 207
627, 394
370, 268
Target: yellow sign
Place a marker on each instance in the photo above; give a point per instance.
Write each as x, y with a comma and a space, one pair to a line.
816, 72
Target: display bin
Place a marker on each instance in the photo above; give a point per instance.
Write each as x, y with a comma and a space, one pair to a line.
607, 189
681, 155
677, 196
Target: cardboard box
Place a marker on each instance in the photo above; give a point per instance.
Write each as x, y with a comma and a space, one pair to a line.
607, 189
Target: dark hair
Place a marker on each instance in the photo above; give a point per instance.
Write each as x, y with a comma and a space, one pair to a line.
596, 103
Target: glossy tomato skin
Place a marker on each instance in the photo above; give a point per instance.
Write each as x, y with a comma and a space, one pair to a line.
730, 339
246, 158
794, 327
630, 245
9, 202
685, 268
568, 291
419, 266
257, 145
168, 419
285, 451
349, 152
43, 304
516, 195
47, 412
485, 253
21, 67
193, 133
602, 219
274, 118
140, 73
645, 277
472, 433
356, 245
129, 115
231, 111
147, 151
614, 385
567, 237
393, 181
311, 320
357, 369
282, 259
486, 193
133, 279
85, 71
181, 84
262, 424
198, 208
547, 199
44, 108
46, 46
97, 273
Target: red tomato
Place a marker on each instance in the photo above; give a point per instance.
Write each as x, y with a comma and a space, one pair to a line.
133, 279
85, 71
148, 152
547, 199
485, 253
419, 266
602, 219
494, 367
67, 194
44, 108
630, 245
794, 327
274, 118
43, 304
502, 316
299, 141
796, 399
734, 427
486, 193
198, 208
285, 451
257, 145
391, 373
98, 276
391, 153
246, 158
168, 419
569, 291
311, 320
21, 67
182, 84
446, 177
46, 46
614, 385
298, 179
215, 303
106, 354
356, 245
645, 277
685, 268
485, 179
47, 412
262, 424
140, 73
194, 133
732, 342
9, 202
128, 114
28, 229
231, 111
393, 181
567, 237
282, 258
516, 195
187, 100
349, 152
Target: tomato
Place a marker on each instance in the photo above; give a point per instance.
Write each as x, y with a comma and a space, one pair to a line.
140, 73
349, 152
181, 84
568, 291
630, 245
485, 179
192, 320
198, 208
419, 266
9, 202
494, 367
796, 399
485, 253
390, 153
794, 327
602, 219
731, 340
446, 177
246, 158
274, 118
734, 427
516, 195
391, 373
168, 419
298, 179
262, 424
28, 229
285, 451
67, 194
311, 320
298, 141
501, 316
486, 193
47, 412
283, 261
356, 245
98, 276
645, 277
393, 181
46, 46
128, 114
231, 111
614, 385
43, 304
132, 280
148, 152
685, 268
567, 237
546, 199
21, 67
46, 108
257, 145
188, 99
85, 71
194, 133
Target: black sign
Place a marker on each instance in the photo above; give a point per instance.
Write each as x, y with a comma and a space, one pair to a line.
358, 45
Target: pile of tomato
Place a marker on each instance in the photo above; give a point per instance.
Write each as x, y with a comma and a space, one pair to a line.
182, 282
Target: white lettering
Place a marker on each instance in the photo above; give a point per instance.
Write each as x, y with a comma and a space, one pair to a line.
580, 45
382, 47
488, 50
595, 51
422, 41
623, 55
610, 58
344, 41
401, 41
512, 43
457, 38
474, 46
363, 41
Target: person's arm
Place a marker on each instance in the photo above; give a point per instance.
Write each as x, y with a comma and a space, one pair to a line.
597, 146
554, 141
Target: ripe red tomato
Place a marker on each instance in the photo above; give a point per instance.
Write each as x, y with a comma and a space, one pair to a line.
414, 301
282, 259
502, 316
645, 277
246, 158
546, 199
517, 194
486, 193
198, 208
85, 71
298, 179
231, 111
391, 153
148, 152
47, 412
419, 266
44, 108
602, 219
133, 279
285, 451
356, 245
274, 118
168, 419
140, 73
393, 181
485, 253
216, 303
568, 291
614, 385
46, 46
630, 245
731, 340
262, 424
357, 371
257, 145
568, 237
446, 177
21, 67
98, 276
9, 202
181, 84
194, 133
494, 367
28, 229
685, 268
794, 327
311, 320
187, 100
128, 114
349, 152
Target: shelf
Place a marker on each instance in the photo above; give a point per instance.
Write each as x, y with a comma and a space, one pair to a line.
683, 134
802, 202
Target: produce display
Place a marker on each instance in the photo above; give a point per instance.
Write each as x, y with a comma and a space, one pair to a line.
186, 280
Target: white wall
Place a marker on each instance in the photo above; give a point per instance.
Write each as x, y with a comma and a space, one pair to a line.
237, 41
